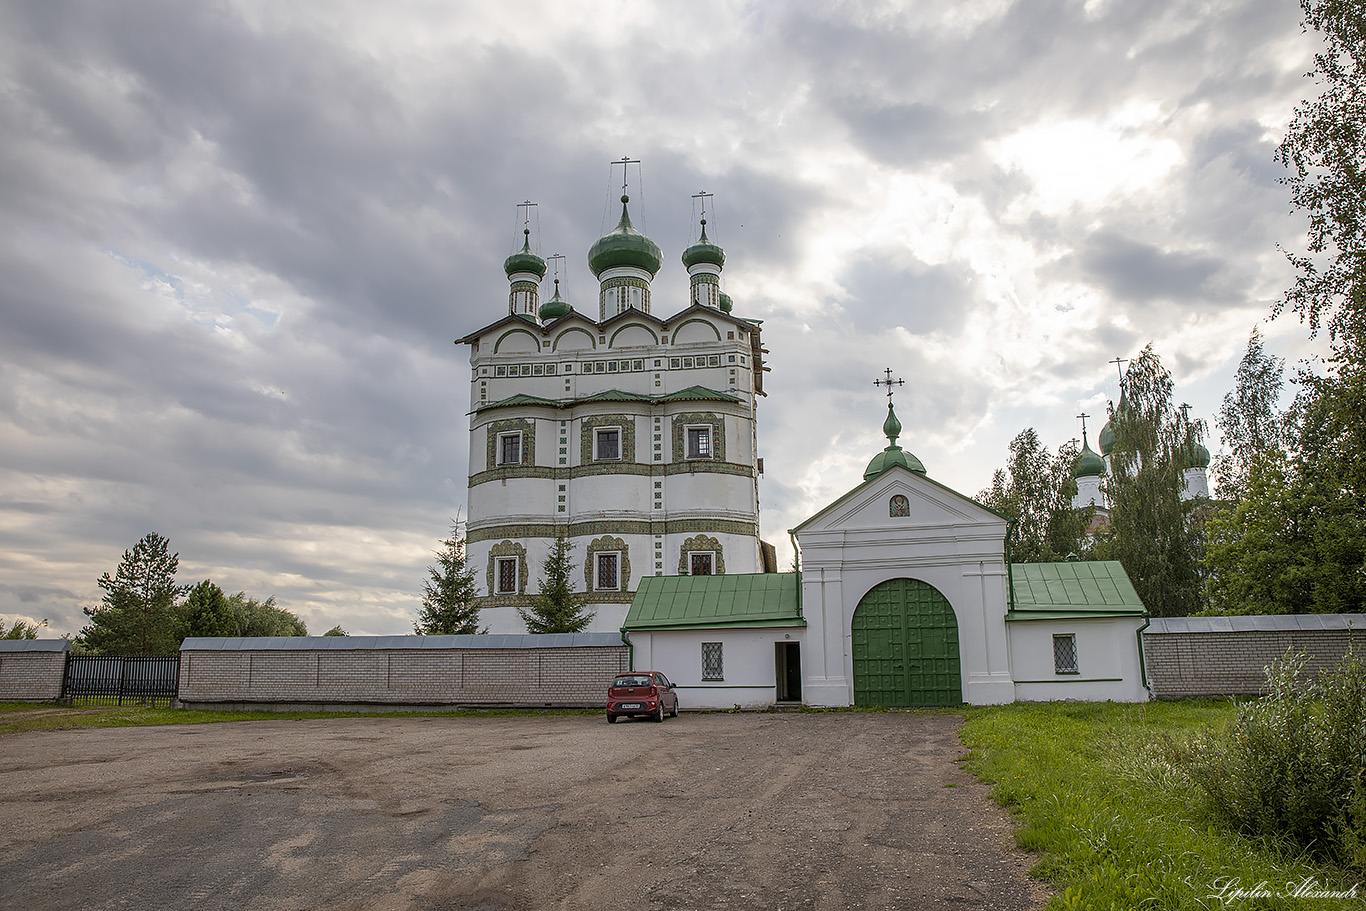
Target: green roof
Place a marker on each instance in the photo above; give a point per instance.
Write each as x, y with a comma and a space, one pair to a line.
738, 600
691, 394
698, 394
1051, 591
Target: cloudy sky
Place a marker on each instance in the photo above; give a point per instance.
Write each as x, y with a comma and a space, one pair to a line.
237, 241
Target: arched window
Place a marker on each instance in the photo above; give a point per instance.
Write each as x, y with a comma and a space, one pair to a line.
899, 506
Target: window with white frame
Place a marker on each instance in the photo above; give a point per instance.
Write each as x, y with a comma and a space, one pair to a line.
1065, 653
712, 666
700, 563
510, 448
608, 572
699, 442
607, 443
506, 574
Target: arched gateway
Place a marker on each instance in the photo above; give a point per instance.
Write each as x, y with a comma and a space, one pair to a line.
905, 646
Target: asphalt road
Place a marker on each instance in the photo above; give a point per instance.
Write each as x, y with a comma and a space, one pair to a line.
750, 811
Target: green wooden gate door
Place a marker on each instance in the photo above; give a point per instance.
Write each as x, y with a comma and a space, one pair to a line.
905, 643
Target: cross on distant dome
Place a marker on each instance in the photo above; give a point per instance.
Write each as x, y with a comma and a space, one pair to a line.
625, 160
889, 383
704, 196
1185, 412
1083, 417
555, 258
1119, 363
526, 216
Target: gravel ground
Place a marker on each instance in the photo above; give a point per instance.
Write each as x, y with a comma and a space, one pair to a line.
746, 811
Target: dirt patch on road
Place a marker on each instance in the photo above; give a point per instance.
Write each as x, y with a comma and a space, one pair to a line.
829, 811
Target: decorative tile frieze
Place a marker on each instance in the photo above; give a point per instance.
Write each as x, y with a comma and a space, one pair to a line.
614, 527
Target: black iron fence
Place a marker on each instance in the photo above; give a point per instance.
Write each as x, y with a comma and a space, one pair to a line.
119, 680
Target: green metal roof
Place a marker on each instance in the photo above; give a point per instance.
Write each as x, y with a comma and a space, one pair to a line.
698, 394
1051, 591
691, 394
695, 602
520, 398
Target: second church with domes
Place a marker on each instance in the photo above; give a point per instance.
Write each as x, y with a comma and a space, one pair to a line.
631, 435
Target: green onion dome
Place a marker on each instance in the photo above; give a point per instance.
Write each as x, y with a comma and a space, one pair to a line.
556, 307
1106, 440
1195, 456
1088, 463
524, 260
893, 454
704, 251
725, 303
625, 246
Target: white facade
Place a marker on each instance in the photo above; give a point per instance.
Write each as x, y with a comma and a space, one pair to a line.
632, 436
946, 540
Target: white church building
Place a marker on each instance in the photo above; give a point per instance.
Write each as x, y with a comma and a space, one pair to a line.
634, 437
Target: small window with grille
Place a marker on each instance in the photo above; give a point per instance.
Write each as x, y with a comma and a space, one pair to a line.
507, 575
607, 443
700, 563
1065, 654
607, 572
509, 448
712, 666
699, 442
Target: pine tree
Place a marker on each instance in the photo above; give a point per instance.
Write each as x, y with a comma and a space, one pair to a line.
138, 613
206, 612
557, 609
449, 605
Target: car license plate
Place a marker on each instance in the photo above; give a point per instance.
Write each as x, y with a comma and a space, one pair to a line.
629, 705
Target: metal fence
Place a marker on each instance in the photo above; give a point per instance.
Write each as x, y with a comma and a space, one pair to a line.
118, 680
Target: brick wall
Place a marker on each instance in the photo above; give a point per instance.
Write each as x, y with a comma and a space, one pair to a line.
1227, 656
32, 676
562, 676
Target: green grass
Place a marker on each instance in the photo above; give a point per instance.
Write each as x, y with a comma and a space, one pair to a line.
27, 716
1116, 823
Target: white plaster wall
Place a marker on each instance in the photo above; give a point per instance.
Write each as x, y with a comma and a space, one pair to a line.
1107, 660
947, 541
608, 618
749, 664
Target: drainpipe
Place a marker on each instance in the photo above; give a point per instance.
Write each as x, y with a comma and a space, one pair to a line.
797, 565
1142, 664
630, 650
1010, 574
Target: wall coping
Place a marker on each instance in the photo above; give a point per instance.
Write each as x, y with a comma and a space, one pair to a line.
35, 645
1256, 623
358, 643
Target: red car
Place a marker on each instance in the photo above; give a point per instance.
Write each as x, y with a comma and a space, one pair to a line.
647, 693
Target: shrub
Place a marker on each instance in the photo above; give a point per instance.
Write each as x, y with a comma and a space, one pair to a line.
1292, 765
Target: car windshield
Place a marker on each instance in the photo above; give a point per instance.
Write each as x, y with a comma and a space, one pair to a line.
639, 680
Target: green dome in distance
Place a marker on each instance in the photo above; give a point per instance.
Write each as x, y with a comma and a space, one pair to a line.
1106, 440
704, 251
1088, 463
1195, 456
725, 303
624, 246
524, 260
893, 454
556, 307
